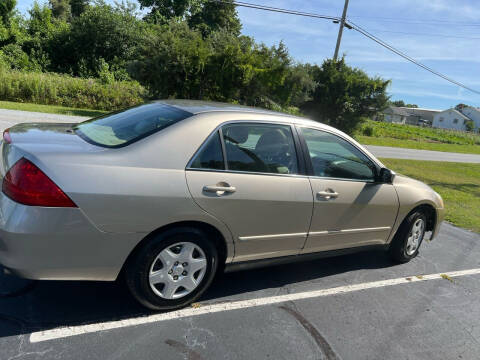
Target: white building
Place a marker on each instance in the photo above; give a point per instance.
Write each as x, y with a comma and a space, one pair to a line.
425, 115
450, 119
474, 114
396, 115
412, 116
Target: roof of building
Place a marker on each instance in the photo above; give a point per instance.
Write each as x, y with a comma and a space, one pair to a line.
463, 116
394, 110
423, 109
472, 108
420, 110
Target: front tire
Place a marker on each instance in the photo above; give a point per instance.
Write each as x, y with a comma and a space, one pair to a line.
173, 269
409, 237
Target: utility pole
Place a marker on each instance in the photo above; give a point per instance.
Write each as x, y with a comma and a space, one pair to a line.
340, 31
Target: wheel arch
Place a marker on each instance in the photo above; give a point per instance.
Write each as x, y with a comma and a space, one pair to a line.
426, 207
429, 211
211, 231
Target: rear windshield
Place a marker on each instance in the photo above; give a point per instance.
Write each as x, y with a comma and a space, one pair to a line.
124, 127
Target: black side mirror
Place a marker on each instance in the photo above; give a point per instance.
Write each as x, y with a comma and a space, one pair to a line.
386, 176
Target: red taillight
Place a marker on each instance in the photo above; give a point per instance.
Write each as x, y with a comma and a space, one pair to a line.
26, 184
6, 136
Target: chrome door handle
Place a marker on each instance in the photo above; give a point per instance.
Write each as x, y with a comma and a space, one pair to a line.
327, 194
219, 189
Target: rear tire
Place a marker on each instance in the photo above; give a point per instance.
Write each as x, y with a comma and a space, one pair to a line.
409, 237
173, 269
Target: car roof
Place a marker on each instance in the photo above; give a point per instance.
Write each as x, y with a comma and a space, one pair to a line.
196, 107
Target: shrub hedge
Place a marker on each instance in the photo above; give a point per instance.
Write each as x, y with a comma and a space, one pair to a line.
410, 132
64, 90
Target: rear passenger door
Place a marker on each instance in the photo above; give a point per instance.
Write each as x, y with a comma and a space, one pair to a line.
249, 176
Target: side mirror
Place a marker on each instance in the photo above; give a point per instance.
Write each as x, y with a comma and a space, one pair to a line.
386, 176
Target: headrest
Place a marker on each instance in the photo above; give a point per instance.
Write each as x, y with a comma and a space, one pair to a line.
271, 141
238, 134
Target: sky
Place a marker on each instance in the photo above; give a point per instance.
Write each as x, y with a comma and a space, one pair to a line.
442, 34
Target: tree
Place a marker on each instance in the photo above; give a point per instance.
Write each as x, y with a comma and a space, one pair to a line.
178, 61
398, 103
78, 7
469, 125
401, 103
42, 29
345, 95
460, 107
216, 15
205, 15
67, 9
11, 26
61, 9
162, 11
172, 61
102, 35
7, 9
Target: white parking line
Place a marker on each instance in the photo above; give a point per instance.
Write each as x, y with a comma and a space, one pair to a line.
64, 332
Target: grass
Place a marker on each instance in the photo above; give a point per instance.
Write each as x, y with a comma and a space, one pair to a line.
68, 91
50, 109
457, 183
415, 137
418, 144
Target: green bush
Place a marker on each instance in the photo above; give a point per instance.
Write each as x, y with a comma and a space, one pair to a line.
64, 90
411, 132
367, 130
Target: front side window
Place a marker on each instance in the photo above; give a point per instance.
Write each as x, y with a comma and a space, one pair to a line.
210, 155
126, 126
334, 157
263, 148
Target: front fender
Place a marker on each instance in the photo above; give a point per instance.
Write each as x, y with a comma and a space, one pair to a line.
413, 194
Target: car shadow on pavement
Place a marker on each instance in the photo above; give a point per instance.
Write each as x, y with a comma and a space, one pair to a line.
49, 304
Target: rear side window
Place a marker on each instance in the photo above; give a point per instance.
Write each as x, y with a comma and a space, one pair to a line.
260, 148
210, 155
127, 126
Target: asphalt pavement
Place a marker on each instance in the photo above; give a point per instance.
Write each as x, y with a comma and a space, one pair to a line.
357, 306
9, 118
414, 154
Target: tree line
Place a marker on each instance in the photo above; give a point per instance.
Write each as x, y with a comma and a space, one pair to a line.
191, 49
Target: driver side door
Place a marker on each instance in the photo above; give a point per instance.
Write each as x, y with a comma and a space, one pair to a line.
350, 207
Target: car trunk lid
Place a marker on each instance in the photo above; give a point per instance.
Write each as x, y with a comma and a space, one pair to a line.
43, 133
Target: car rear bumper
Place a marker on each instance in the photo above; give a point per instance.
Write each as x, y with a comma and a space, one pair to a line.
59, 244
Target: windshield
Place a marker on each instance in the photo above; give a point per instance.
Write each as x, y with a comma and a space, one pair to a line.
124, 127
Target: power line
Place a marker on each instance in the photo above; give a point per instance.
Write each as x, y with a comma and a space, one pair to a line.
357, 28
279, 10
427, 34
416, 21
405, 56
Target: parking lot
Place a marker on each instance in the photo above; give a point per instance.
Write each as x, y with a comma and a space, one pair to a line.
350, 307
